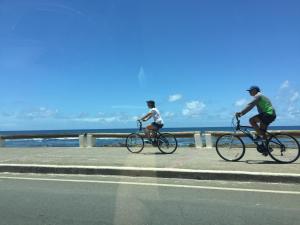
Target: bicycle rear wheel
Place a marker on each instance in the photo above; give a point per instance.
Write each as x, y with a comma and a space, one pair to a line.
135, 143
283, 148
230, 147
167, 143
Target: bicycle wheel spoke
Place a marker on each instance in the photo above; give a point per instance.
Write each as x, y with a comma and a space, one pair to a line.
283, 148
167, 143
230, 147
134, 143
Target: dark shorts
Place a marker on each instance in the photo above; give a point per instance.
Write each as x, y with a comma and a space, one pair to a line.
157, 125
266, 118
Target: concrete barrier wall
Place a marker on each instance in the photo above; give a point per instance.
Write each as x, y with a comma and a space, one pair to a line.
206, 139
2, 142
89, 139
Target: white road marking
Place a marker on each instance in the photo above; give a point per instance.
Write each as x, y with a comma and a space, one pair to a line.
154, 185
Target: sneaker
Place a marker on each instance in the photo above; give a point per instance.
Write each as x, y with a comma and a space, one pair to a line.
260, 148
265, 150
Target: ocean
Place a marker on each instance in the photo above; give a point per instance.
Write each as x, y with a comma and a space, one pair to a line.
102, 142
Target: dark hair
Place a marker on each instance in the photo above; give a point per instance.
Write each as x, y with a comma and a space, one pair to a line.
151, 103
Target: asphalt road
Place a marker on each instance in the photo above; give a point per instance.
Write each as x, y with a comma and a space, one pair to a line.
53, 200
183, 158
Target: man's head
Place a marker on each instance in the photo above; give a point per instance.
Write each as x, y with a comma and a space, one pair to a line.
151, 104
253, 90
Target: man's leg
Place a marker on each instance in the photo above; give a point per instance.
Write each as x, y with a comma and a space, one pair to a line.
254, 121
263, 127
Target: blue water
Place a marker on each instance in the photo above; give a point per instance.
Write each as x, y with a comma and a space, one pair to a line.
74, 142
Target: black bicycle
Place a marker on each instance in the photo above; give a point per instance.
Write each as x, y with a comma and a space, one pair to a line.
281, 147
166, 142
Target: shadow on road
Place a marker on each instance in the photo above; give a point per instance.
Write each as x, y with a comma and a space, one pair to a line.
270, 162
154, 153
263, 162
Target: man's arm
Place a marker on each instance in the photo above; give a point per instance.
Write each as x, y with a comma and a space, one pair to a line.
250, 106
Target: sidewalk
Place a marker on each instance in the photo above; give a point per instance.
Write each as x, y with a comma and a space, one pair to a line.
116, 161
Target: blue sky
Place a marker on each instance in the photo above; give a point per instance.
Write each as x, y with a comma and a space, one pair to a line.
93, 64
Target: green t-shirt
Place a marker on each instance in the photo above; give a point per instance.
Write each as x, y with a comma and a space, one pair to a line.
262, 103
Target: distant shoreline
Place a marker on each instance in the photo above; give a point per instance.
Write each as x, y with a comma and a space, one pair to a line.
129, 130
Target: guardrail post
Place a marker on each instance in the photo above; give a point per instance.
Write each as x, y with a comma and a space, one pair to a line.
2, 142
208, 140
82, 141
198, 140
91, 141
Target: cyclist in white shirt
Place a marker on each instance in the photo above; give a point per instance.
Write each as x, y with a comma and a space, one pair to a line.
153, 113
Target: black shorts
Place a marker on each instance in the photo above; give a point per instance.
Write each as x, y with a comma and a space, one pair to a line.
157, 125
266, 118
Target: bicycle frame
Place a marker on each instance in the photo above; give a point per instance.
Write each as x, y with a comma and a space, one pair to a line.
244, 130
139, 125
156, 133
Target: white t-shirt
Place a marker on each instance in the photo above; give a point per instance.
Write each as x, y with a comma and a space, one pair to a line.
156, 116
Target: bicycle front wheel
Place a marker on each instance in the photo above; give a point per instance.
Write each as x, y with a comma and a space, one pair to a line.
230, 147
283, 148
167, 143
135, 143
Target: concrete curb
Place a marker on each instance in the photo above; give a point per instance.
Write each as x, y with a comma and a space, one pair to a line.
153, 172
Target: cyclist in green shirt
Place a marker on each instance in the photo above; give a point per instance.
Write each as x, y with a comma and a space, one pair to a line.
265, 109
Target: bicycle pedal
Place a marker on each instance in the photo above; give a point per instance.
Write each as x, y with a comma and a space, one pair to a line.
155, 144
260, 148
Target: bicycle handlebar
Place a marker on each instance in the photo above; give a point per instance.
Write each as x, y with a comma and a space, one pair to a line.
139, 124
238, 122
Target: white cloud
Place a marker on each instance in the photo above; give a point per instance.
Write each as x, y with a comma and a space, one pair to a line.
135, 118
193, 108
292, 112
39, 113
142, 77
287, 104
240, 102
105, 118
83, 115
109, 119
6, 114
174, 98
285, 84
168, 115
290, 109
127, 107
87, 119
295, 96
